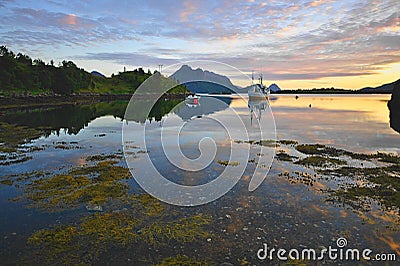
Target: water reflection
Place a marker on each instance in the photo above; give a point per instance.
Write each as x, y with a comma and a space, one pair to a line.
356, 122
205, 106
263, 215
394, 108
73, 118
257, 106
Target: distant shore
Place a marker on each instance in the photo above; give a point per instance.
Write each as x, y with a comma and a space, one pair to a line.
336, 91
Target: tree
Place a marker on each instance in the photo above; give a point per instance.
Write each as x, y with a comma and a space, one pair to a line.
62, 84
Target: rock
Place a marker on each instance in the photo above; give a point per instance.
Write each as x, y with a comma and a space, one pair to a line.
226, 263
94, 208
394, 107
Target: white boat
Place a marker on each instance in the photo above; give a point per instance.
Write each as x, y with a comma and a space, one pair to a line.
192, 100
258, 91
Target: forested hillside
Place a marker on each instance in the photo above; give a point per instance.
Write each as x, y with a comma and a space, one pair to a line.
20, 75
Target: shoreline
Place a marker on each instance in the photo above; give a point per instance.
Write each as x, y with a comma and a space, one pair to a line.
56, 100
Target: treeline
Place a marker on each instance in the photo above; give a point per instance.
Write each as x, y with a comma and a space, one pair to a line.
19, 73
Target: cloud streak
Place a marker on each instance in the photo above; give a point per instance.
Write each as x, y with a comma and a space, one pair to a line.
305, 39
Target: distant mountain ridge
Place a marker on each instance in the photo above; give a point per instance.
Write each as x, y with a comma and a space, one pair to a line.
385, 88
203, 81
97, 74
274, 88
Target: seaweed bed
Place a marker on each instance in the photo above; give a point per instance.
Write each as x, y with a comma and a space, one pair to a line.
12, 139
111, 217
114, 218
381, 183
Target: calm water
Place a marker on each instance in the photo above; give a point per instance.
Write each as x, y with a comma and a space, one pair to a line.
359, 123
278, 213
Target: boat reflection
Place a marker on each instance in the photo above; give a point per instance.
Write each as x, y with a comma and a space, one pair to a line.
203, 106
257, 106
192, 101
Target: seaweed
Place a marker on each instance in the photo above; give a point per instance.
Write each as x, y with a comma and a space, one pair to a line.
283, 156
263, 142
94, 184
144, 203
15, 158
267, 143
299, 177
288, 142
83, 243
226, 163
383, 188
319, 149
182, 230
320, 161
103, 157
184, 260
323, 150
99, 232
13, 136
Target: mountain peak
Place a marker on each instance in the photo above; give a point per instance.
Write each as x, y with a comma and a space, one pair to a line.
274, 88
203, 81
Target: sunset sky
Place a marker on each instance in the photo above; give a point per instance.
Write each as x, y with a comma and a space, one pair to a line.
296, 44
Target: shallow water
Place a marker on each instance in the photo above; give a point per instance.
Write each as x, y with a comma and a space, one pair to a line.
279, 213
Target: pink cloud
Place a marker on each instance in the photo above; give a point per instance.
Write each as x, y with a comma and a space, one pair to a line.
70, 19
189, 8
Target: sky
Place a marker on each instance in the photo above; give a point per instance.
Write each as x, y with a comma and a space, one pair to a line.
296, 44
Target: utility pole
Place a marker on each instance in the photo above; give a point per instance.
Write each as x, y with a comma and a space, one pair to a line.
160, 68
